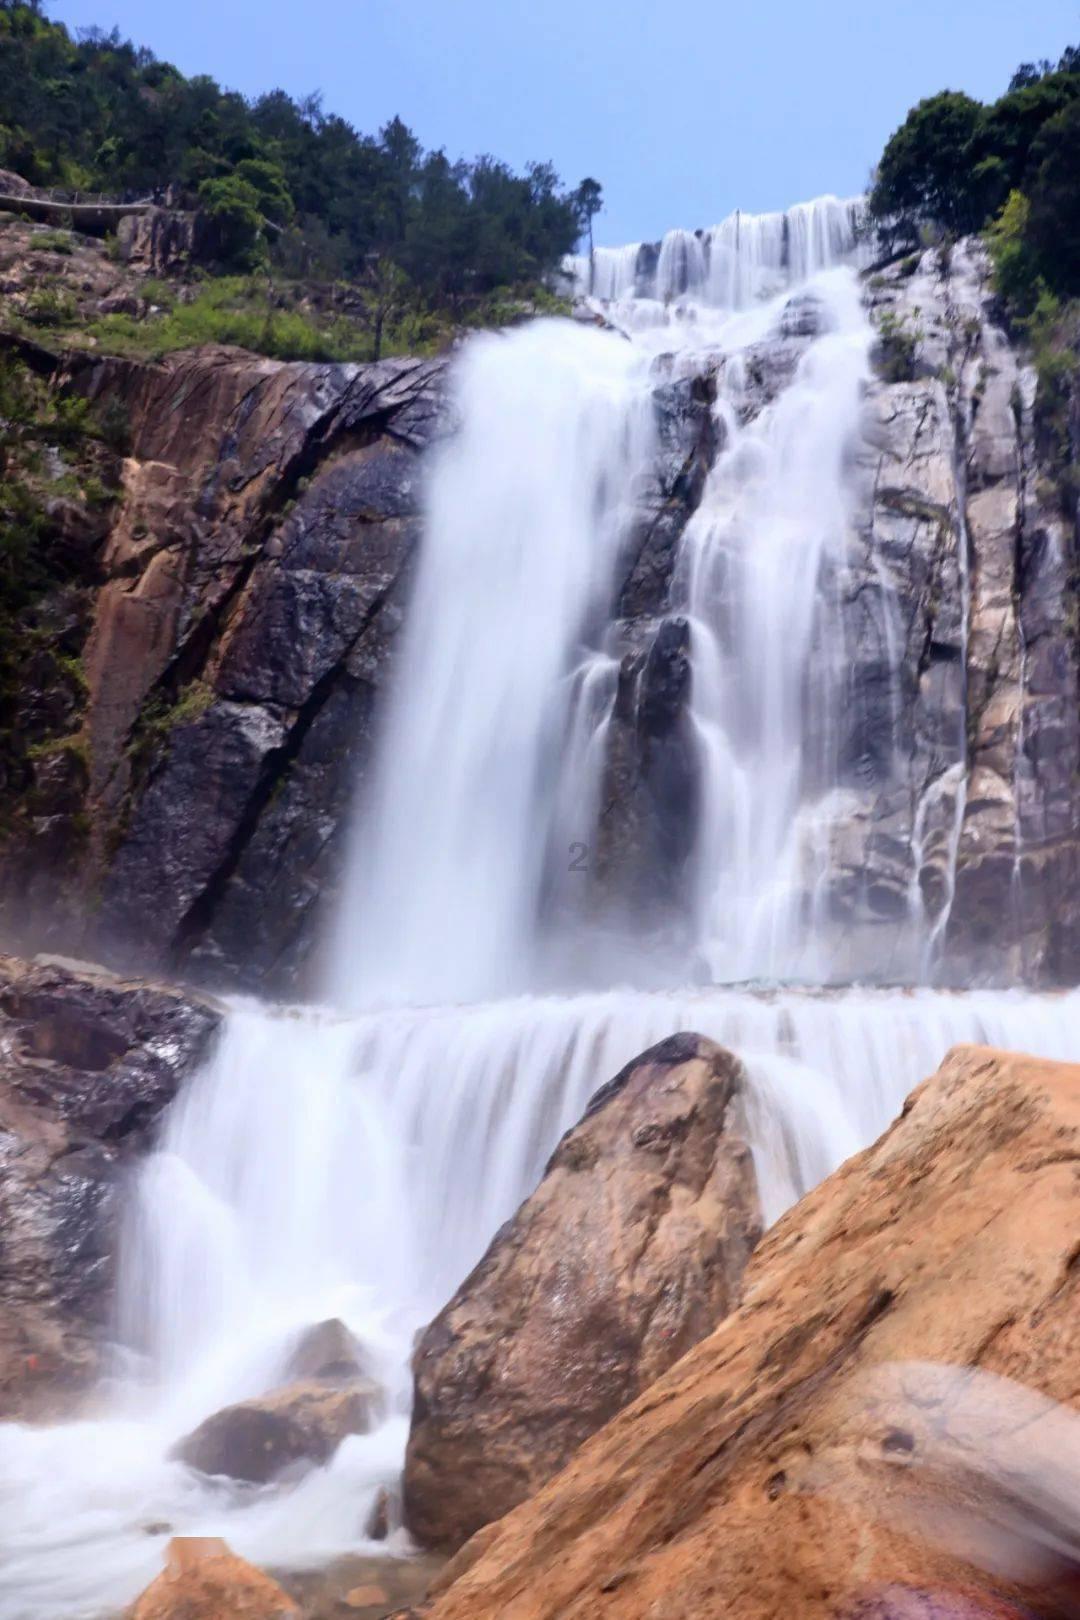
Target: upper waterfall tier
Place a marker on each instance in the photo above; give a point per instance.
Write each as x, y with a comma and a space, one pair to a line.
730, 265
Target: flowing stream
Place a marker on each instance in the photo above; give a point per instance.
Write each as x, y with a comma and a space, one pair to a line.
354, 1160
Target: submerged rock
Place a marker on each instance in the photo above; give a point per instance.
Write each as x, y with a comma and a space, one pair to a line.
87, 1064
203, 1580
630, 1250
327, 1351
771, 1472
360, 1586
256, 1440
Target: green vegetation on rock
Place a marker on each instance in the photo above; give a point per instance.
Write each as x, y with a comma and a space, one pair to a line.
1012, 171
56, 479
277, 320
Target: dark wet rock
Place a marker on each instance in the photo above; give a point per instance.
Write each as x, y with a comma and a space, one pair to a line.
688, 439
243, 622
384, 1516
300, 1426
87, 1064
803, 317
188, 822
631, 1249
650, 789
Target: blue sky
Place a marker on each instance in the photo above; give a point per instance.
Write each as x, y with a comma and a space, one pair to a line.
683, 111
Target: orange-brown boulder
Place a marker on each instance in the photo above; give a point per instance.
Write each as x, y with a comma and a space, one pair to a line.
770, 1472
256, 1440
203, 1580
630, 1250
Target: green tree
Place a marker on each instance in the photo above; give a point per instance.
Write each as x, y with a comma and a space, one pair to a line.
589, 200
1054, 227
388, 290
1012, 125
233, 208
926, 171
267, 180
96, 112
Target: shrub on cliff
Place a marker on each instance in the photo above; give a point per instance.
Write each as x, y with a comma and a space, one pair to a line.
1035, 240
56, 480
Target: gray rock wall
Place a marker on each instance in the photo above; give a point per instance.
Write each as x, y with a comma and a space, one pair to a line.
87, 1065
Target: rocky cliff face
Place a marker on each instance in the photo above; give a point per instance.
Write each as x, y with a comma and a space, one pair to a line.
239, 630
87, 1064
954, 743
238, 620
977, 808
232, 643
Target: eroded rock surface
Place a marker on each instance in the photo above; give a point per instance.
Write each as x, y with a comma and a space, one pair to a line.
763, 1475
946, 754
249, 593
630, 1250
87, 1064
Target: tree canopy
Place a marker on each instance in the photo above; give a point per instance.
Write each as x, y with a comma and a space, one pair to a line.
98, 113
957, 165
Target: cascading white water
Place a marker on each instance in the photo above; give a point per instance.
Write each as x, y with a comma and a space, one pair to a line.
731, 265
769, 651
357, 1165
526, 506
762, 560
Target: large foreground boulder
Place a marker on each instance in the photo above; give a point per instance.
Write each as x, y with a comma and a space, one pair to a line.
87, 1064
630, 1250
764, 1475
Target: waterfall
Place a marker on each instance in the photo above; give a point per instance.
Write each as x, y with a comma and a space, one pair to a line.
775, 509
527, 504
357, 1167
355, 1160
730, 265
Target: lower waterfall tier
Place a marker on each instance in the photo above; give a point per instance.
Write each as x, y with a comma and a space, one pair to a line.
320, 1166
